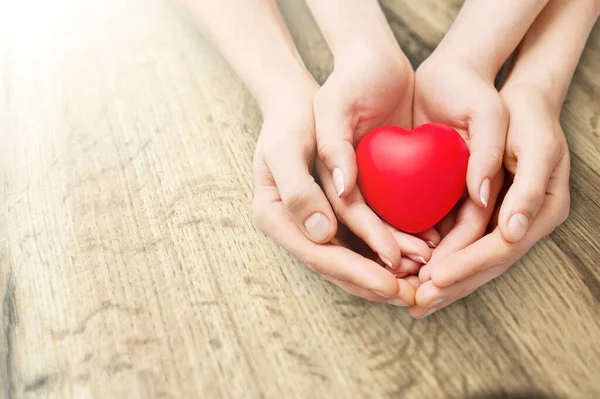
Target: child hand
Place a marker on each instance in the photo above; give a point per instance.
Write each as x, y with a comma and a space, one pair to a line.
367, 89
452, 92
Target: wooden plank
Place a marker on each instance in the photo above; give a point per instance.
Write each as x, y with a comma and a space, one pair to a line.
129, 266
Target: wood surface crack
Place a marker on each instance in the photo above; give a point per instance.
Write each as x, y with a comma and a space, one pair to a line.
491, 332
80, 329
40, 382
121, 166
9, 322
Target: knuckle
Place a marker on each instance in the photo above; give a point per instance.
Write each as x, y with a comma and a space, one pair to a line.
533, 194
495, 156
310, 263
325, 149
329, 149
297, 200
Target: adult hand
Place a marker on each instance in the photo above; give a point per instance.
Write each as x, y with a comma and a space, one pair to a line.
537, 156
455, 86
292, 209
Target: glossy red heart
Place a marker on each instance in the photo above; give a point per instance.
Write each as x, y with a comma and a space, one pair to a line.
412, 178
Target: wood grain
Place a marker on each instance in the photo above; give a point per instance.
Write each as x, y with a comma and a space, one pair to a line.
129, 267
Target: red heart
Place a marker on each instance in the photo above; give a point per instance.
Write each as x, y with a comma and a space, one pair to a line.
412, 178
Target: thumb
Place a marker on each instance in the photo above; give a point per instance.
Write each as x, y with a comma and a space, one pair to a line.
526, 194
335, 139
487, 132
302, 197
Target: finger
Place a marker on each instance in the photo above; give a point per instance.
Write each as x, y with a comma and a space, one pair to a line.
406, 294
356, 290
407, 267
470, 225
405, 297
335, 144
362, 221
487, 132
526, 195
304, 200
325, 259
414, 281
431, 237
445, 225
430, 298
412, 247
493, 249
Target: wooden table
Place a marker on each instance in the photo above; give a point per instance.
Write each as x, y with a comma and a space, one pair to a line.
129, 267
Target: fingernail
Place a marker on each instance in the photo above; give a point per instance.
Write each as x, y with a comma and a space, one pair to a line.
338, 181
386, 261
317, 226
431, 244
417, 258
484, 191
436, 302
397, 302
517, 225
429, 312
381, 294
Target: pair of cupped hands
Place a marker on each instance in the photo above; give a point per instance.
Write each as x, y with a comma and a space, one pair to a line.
305, 172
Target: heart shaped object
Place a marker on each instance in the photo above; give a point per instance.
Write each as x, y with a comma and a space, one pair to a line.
412, 178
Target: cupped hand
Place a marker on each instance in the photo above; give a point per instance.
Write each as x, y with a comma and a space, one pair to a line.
283, 162
537, 156
453, 92
367, 89
291, 208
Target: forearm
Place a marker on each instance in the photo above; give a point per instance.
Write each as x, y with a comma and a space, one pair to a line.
550, 51
486, 32
351, 24
253, 38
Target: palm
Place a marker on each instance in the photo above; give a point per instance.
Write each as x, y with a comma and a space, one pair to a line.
373, 95
451, 96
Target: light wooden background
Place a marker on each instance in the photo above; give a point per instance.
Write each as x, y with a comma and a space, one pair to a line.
129, 267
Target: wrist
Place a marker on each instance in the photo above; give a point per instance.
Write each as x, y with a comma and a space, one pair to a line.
484, 65
350, 25
376, 58
547, 57
533, 91
486, 32
381, 50
292, 86
295, 93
